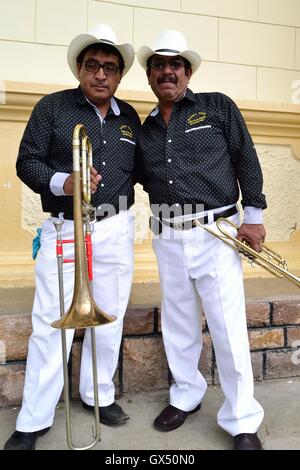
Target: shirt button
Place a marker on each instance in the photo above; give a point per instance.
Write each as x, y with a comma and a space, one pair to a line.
103, 163
170, 140
102, 184
171, 182
169, 160
104, 141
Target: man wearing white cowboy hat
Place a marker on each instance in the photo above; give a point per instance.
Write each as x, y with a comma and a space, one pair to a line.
195, 152
44, 163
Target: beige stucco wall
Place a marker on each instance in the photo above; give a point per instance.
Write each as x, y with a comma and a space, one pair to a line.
250, 50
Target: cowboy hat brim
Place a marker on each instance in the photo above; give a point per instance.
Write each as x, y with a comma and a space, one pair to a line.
84, 40
145, 52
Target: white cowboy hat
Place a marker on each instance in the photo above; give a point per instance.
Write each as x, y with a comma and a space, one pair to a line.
100, 34
169, 43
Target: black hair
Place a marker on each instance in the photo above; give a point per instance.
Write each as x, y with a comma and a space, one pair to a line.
106, 48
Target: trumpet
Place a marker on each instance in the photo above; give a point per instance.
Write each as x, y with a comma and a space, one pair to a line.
83, 312
267, 259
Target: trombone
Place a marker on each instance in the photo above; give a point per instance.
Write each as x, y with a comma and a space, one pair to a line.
83, 312
267, 258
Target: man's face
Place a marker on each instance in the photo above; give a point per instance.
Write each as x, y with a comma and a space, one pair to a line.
98, 86
168, 77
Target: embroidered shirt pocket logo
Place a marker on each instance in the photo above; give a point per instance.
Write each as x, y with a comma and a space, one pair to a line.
196, 118
127, 134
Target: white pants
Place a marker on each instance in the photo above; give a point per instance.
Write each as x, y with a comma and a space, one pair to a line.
112, 241
195, 265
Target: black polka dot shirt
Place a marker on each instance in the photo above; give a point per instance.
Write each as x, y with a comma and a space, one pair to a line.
46, 148
203, 156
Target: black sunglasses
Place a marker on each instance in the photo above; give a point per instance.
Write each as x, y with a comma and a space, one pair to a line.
109, 68
160, 64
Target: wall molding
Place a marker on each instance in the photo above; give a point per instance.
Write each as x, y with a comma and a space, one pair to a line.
271, 123
268, 123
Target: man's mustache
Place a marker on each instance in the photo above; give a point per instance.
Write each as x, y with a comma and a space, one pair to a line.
168, 79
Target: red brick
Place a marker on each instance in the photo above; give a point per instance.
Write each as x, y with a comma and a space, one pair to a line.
282, 364
266, 339
286, 313
138, 322
293, 335
15, 332
144, 364
258, 313
11, 384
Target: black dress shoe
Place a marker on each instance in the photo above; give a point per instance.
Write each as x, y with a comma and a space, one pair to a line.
171, 418
247, 441
24, 440
111, 414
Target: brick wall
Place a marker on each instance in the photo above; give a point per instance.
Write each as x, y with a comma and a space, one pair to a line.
274, 335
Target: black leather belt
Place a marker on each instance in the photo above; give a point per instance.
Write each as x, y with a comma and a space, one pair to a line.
156, 224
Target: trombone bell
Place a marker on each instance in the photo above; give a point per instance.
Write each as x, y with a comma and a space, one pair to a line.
83, 315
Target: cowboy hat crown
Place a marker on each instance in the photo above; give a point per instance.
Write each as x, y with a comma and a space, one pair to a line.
100, 34
169, 43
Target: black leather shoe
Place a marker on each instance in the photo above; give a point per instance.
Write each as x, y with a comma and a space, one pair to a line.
24, 440
247, 441
111, 414
171, 418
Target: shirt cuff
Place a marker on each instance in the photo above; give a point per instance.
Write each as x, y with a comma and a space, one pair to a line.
253, 215
57, 183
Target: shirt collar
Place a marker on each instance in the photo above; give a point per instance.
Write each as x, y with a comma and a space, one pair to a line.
82, 99
189, 95
155, 111
113, 106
